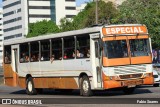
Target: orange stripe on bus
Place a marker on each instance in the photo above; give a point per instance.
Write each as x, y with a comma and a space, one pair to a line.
124, 37
141, 59
116, 61
124, 30
55, 83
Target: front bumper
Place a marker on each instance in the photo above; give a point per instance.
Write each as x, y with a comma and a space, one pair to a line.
127, 83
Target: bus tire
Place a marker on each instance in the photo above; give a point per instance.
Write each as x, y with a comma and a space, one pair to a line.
30, 90
85, 87
128, 90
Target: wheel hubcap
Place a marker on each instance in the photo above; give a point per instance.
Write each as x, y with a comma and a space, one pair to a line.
85, 86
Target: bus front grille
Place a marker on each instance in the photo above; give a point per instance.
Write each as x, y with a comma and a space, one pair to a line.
130, 69
130, 76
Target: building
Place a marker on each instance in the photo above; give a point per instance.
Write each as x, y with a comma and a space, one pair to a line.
1, 36
81, 7
17, 14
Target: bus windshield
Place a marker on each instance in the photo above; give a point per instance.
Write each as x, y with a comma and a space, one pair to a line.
139, 47
116, 49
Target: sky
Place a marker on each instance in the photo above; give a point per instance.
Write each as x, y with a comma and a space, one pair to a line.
78, 2
0, 3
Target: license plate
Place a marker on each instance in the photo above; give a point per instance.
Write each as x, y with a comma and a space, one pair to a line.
130, 86
133, 83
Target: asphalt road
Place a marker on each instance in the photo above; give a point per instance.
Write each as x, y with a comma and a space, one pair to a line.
109, 98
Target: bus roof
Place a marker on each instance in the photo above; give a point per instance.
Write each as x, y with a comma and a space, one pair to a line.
53, 35
64, 34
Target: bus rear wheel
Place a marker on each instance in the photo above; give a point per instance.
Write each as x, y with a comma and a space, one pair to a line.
85, 87
30, 90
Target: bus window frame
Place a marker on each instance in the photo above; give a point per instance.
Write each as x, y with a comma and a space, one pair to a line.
31, 43
76, 40
52, 49
20, 52
9, 61
40, 50
68, 48
148, 47
106, 50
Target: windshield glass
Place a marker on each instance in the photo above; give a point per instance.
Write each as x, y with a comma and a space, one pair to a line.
139, 47
115, 49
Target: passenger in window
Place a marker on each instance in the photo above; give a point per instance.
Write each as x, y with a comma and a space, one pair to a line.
78, 54
42, 58
52, 58
59, 55
23, 57
6, 60
88, 53
27, 58
38, 57
65, 56
33, 58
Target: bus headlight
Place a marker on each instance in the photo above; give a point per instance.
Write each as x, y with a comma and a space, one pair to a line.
147, 74
106, 78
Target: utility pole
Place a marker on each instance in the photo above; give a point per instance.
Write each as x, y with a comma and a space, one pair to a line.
96, 12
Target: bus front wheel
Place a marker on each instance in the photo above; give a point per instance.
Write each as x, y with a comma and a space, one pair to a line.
30, 87
85, 87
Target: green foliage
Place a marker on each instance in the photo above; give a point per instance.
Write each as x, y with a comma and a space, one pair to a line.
131, 11
86, 18
65, 25
42, 27
144, 12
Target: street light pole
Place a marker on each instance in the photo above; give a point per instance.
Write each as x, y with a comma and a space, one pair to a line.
96, 12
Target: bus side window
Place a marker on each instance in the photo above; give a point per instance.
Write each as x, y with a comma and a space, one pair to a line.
34, 51
83, 46
69, 47
7, 54
57, 49
45, 50
24, 52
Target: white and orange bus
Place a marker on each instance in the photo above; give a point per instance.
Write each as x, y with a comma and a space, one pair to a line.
98, 58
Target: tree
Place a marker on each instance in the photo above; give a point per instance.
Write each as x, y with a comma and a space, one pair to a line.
42, 27
86, 18
65, 25
144, 12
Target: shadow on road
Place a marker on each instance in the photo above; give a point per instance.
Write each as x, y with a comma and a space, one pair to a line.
115, 92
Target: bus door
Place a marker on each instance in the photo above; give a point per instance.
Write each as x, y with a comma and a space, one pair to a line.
15, 64
96, 57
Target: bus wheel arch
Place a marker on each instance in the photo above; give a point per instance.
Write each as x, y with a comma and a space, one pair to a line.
84, 85
30, 90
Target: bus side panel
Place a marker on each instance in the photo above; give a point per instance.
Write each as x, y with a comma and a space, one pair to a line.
56, 83
22, 82
148, 80
10, 77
